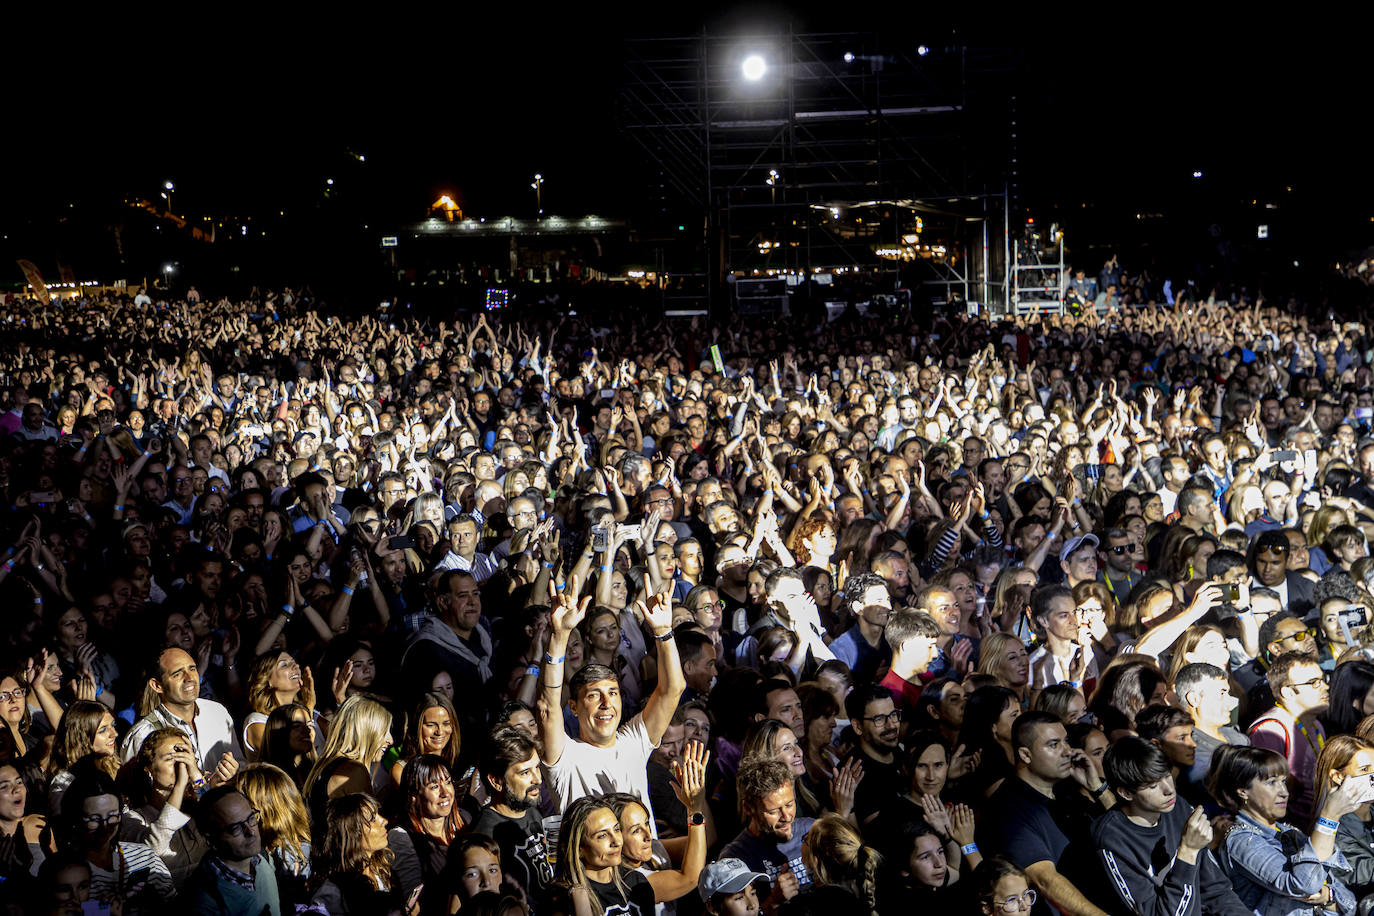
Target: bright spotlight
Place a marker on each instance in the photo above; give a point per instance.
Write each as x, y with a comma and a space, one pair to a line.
754, 67
1197, 174
849, 57
922, 50
169, 186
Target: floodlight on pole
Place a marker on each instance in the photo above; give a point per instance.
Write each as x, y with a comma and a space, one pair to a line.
754, 67
538, 186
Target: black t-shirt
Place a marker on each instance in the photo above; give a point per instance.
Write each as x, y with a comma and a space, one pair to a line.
669, 812
524, 849
637, 899
1027, 827
881, 785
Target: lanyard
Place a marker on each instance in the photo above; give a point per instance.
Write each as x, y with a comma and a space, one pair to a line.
1316, 746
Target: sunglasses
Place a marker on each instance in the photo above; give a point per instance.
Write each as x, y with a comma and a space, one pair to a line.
1120, 549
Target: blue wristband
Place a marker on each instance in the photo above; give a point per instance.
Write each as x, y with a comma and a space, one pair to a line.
347, 590
969, 850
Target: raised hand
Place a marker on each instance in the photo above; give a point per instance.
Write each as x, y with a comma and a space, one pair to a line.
689, 776
937, 815
961, 763
659, 610
566, 613
343, 675
844, 784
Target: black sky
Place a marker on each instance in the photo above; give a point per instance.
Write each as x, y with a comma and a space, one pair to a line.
251, 108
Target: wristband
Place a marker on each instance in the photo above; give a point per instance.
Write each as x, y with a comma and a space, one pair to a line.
1097, 793
1076, 684
348, 590
606, 568
119, 508
288, 610
560, 586
9, 565
532, 670
1327, 826
548, 566
969, 850
665, 637
550, 660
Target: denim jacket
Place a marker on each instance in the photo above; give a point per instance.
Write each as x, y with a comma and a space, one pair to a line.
1274, 882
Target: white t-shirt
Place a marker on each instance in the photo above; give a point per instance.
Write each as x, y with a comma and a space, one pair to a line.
585, 769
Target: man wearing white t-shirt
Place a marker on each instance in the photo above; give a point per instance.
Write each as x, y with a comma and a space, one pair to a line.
607, 757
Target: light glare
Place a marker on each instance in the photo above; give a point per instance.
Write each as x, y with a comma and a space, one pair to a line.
754, 67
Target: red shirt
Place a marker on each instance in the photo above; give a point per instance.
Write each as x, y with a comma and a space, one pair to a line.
904, 692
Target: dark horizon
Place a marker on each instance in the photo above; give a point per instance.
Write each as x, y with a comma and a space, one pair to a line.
248, 121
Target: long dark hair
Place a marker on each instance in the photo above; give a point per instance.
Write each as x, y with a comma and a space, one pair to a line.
417, 774
1350, 684
981, 712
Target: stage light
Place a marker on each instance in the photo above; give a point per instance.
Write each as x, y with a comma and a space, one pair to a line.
849, 57
922, 50
754, 67
1197, 174
169, 186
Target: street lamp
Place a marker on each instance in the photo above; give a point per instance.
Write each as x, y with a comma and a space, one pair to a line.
538, 186
773, 179
170, 188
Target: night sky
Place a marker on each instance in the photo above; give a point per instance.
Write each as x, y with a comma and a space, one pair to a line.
253, 112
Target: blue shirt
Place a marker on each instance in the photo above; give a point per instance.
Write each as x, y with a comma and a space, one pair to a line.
864, 660
763, 854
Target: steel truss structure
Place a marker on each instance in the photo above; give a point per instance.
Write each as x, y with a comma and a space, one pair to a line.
830, 150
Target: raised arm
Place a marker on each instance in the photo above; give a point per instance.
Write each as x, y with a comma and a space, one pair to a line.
659, 709
565, 614
690, 785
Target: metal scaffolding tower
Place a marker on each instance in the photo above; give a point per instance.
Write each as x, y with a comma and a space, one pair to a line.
806, 152
1040, 285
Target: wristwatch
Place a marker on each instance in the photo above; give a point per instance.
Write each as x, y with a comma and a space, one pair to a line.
696, 819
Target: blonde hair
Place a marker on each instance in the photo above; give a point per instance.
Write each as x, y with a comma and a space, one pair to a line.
994, 651
285, 824
358, 733
835, 852
571, 832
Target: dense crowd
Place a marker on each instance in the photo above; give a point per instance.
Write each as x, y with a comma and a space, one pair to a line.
379, 615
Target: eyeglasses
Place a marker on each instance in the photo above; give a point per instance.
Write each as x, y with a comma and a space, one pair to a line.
96, 821
890, 718
241, 828
1312, 683
718, 604
1023, 901
1128, 547
1301, 635
17, 693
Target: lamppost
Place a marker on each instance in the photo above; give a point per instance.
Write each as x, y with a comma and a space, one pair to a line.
168, 194
538, 197
773, 179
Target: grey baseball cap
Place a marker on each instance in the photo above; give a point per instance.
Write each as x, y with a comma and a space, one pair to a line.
727, 876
